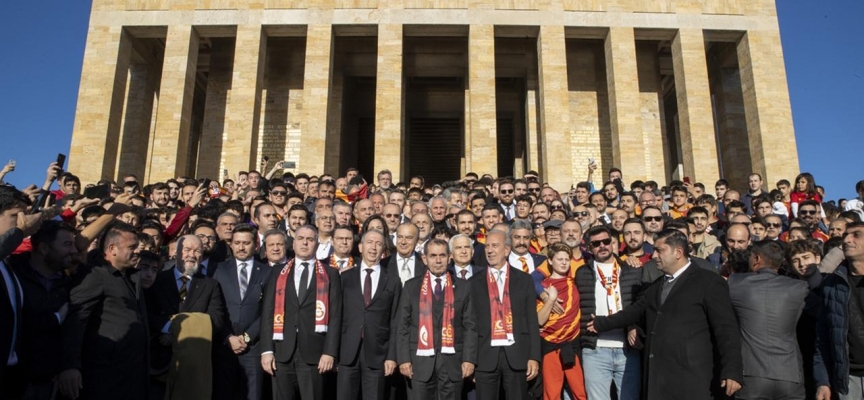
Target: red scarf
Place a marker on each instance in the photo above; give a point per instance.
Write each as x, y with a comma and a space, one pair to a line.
426, 335
349, 263
502, 314
322, 300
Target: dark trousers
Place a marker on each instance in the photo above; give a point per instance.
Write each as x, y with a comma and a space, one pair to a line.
253, 376
361, 378
296, 375
490, 382
761, 388
440, 386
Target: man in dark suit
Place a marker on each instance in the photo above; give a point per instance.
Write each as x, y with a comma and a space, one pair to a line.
689, 319
772, 358
508, 353
98, 362
14, 227
301, 321
462, 252
466, 224
650, 272
214, 250
520, 257
182, 290
436, 368
371, 302
406, 263
243, 280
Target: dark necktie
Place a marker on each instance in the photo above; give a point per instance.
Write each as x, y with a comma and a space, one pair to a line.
244, 281
437, 291
668, 282
184, 287
341, 264
464, 273
367, 287
304, 276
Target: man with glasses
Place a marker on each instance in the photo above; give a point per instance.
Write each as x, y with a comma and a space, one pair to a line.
652, 217
325, 222
534, 188
392, 217
773, 226
279, 198
209, 259
583, 216
506, 193
808, 211
607, 287
343, 243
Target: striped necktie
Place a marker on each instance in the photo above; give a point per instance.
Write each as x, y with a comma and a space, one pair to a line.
184, 287
244, 280
524, 264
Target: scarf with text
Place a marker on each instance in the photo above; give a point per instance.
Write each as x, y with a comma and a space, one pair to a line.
426, 334
501, 313
322, 299
613, 291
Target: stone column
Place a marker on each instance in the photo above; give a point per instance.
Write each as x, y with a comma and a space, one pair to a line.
622, 80
695, 116
651, 100
483, 128
239, 149
174, 114
555, 159
96, 132
316, 89
137, 115
389, 102
766, 103
213, 131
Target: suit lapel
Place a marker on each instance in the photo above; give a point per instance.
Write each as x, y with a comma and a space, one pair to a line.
253, 278
382, 284
312, 284
233, 291
681, 282
193, 293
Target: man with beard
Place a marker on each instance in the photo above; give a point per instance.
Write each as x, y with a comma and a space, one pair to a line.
243, 280
212, 252
183, 289
45, 285
654, 222
159, 195
491, 214
520, 258
506, 196
636, 252
466, 224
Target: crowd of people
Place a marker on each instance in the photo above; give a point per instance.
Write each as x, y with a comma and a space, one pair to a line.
296, 286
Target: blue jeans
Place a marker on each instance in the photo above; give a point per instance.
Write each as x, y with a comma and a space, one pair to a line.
602, 365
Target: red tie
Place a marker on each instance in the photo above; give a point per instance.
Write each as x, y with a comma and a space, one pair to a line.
464, 273
367, 287
437, 291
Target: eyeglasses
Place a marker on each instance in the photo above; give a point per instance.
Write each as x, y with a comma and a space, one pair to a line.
652, 219
604, 242
536, 190
470, 181
580, 213
278, 193
558, 207
807, 212
392, 215
205, 238
537, 226
773, 225
506, 191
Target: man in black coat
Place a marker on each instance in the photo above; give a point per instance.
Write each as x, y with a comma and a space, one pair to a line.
689, 319
306, 349
243, 280
105, 339
371, 302
513, 356
439, 374
183, 290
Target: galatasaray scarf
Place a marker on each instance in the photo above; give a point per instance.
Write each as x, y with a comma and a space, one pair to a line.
322, 300
426, 335
501, 313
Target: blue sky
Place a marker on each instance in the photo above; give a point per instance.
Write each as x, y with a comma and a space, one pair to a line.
41, 68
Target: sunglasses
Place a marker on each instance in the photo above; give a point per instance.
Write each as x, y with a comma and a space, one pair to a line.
278, 193
538, 226
557, 207
604, 242
773, 225
392, 215
506, 191
580, 213
652, 219
807, 212
534, 189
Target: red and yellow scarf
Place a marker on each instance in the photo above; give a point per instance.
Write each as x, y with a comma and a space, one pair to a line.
322, 300
426, 335
349, 263
501, 313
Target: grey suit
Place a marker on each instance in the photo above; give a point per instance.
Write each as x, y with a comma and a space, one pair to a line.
768, 306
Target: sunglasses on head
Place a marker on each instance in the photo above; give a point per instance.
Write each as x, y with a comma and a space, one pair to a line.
652, 219
604, 242
506, 191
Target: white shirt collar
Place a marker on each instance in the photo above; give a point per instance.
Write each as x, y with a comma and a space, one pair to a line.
680, 271
364, 266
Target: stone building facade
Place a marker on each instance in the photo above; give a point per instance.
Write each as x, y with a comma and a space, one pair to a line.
660, 88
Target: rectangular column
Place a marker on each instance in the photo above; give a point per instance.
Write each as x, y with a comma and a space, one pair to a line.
174, 114
556, 159
137, 115
773, 152
695, 116
316, 88
96, 132
481, 100
622, 77
651, 101
210, 155
389, 102
239, 149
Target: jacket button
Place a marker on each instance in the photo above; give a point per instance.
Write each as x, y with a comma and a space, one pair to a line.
652, 332
659, 312
651, 356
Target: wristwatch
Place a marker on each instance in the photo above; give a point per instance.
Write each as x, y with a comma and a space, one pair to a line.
246, 338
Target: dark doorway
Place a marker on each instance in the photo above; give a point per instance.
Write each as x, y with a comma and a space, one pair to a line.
435, 127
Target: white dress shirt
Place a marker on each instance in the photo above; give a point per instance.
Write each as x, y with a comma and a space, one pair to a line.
679, 272
469, 271
509, 211
376, 273
298, 270
249, 263
517, 263
405, 275
324, 249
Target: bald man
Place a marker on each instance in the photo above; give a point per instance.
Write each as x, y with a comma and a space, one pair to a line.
183, 289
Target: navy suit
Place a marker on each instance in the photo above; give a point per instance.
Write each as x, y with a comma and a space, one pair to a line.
245, 317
